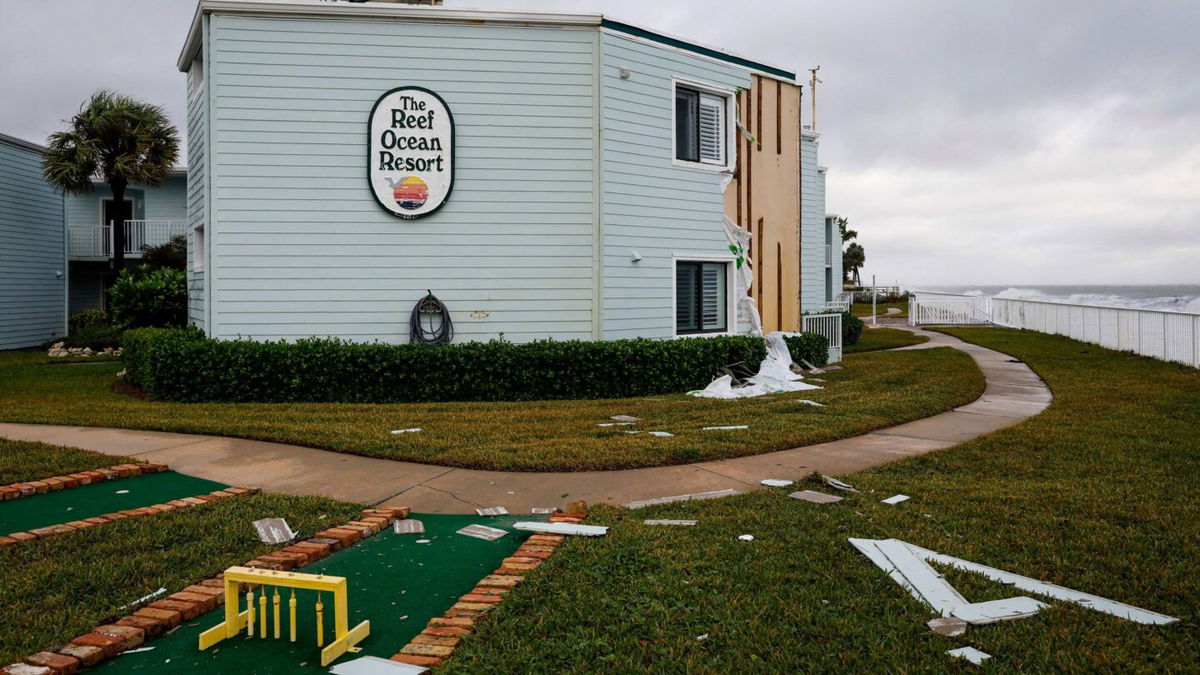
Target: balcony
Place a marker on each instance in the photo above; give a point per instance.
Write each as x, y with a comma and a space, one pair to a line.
95, 242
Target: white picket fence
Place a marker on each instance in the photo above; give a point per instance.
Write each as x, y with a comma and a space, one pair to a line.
925, 308
1169, 336
829, 325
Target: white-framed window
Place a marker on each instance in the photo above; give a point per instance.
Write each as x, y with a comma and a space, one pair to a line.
702, 125
198, 248
703, 298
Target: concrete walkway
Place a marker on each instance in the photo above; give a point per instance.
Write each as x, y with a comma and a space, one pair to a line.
1013, 394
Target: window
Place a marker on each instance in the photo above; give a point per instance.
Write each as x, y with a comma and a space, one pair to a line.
700, 126
198, 249
701, 298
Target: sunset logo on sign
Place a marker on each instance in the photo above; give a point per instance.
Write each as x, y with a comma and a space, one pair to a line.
410, 157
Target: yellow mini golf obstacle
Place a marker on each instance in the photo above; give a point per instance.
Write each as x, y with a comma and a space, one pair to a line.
344, 638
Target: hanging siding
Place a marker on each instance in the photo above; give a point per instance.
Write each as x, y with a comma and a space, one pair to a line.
812, 227
297, 245
33, 266
650, 205
197, 186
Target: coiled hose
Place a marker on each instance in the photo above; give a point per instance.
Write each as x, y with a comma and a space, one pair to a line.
429, 306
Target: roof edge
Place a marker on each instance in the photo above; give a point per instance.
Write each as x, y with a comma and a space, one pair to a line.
20, 143
696, 48
363, 11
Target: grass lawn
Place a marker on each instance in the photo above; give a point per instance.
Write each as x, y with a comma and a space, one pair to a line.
23, 461
863, 309
873, 391
1098, 493
874, 339
60, 587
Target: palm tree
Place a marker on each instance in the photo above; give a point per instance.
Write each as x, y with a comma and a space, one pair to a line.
119, 138
853, 258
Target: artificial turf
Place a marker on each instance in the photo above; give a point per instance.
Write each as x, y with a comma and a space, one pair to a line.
1097, 493
872, 391
24, 461
875, 339
97, 499
394, 582
57, 588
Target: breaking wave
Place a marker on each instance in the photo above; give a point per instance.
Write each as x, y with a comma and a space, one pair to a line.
1172, 303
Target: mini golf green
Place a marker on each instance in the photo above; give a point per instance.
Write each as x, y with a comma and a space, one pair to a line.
395, 583
97, 499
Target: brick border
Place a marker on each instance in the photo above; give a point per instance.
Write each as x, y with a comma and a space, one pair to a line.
74, 525
74, 480
158, 617
442, 635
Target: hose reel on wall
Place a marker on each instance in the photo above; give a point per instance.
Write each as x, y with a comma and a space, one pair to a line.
430, 322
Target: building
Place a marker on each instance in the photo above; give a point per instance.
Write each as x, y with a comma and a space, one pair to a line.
544, 175
33, 250
151, 216
821, 242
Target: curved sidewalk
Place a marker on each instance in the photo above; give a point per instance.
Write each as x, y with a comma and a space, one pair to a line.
1013, 394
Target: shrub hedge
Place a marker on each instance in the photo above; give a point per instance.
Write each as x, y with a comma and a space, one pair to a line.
143, 297
809, 347
183, 365
852, 329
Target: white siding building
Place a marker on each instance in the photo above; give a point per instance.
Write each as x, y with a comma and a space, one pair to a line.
589, 159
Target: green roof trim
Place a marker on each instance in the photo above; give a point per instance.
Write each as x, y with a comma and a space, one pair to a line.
688, 46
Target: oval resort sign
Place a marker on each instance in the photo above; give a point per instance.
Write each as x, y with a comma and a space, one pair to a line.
410, 161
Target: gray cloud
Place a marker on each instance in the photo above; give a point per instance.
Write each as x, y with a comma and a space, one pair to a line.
1004, 143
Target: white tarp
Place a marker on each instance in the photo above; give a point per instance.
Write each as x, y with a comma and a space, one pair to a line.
774, 376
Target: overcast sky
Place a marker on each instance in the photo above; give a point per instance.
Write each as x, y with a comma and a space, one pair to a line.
968, 142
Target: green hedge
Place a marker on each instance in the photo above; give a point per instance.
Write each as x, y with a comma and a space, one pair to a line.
809, 347
852, 329
182, 365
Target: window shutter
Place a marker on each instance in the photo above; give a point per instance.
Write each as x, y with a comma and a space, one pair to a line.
712, 296
687, 103
712, 129
686, 319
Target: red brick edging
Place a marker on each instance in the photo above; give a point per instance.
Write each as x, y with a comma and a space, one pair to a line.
74, 525
160, 616
444, 634
37, 487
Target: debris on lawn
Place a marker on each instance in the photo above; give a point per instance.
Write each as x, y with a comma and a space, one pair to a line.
408, 526
492, 511
668, 521
144, 598
815, 497
713, 494
908, 565
775, 482
702, 636
812, 403
482, 532
121, 492
614, 424
137, 651
374, 665
775, 375
406, 431
542, 510
894, 499
971, 654
835, 483
730, 428
624, 418
562, 528
661, 434
274, 531
746, 537
950, 626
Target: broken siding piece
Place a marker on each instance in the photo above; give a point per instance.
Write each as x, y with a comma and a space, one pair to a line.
816, 497
978, 613
670, 522
1030, 585
492, 511
971, 654
928, 585
408, 526
482, 532
895, 499
562, 528
696, 496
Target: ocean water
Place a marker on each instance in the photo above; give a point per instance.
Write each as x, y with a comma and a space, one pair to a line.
1173, 298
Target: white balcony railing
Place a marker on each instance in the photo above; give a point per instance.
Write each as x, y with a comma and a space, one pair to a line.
96, 241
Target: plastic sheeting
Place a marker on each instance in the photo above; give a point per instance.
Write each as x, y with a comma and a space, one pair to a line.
774, 375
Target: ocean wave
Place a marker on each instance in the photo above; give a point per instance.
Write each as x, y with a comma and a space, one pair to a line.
1170, 303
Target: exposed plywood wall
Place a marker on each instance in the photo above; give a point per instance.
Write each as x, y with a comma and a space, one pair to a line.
764, 197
